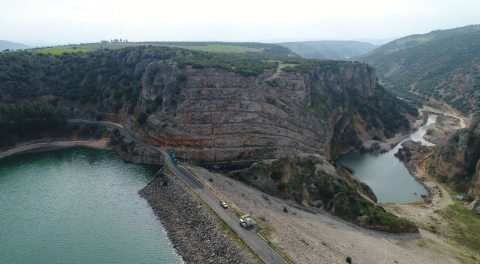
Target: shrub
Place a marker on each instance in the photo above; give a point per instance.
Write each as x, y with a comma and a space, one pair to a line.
117, 95
211, 180
276, 175
142, 118
165, 183
131, 109
182, 77
348, 260
285, 210
159, 100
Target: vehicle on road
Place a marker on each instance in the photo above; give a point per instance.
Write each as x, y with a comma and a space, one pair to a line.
242, 223
223, 204
247, 221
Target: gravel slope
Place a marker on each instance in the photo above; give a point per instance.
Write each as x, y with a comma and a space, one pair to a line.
322, 238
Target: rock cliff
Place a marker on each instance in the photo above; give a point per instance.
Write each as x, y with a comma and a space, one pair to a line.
458, 162
210, 106
215, 115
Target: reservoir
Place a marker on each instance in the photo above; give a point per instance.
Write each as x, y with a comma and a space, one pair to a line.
78, 205
385, 174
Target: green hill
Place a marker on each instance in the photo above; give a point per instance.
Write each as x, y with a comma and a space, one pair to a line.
4, 44
329, 50
442, 64
225, 47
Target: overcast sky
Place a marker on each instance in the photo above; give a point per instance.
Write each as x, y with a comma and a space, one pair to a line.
64, 21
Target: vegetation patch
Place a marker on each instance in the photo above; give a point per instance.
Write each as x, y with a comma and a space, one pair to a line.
309, 183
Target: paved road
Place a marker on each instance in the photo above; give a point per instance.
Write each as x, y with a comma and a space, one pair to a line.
250, 236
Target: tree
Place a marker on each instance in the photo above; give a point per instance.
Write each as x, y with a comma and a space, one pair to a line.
142, 118
276, 175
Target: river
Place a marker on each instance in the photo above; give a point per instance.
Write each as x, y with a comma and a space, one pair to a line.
78, 205
385, 174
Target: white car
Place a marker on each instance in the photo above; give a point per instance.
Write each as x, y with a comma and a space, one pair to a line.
242, 223
224, 204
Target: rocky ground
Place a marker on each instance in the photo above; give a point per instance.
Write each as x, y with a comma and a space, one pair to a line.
309, 235
439, 131
387, 144
192, 228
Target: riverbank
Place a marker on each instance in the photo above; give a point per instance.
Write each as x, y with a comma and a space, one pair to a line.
387, 144
419, 155
196, 234
51, 145
129, 152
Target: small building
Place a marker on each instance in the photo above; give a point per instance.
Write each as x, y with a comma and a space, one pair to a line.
458, 197
104, 42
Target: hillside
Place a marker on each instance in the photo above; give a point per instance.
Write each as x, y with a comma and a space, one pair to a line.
11, 45
212, 106
442, 64
212, 46
329, 50
226, 47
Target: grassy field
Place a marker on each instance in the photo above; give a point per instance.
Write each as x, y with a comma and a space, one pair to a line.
218, 48
464, 225
61, 49
419, 39
84, 48
77, 48
221, 48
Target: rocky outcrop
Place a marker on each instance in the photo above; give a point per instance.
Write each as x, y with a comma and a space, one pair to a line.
214, 115
474, 191
209, 107
458, 161
192, 229
312, 180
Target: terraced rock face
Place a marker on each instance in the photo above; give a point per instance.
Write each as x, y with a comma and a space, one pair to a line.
213, 115
458, 162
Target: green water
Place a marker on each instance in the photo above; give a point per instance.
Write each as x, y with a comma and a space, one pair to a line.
385, 174
78, 206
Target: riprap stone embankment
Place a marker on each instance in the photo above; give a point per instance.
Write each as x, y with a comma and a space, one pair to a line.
192, 228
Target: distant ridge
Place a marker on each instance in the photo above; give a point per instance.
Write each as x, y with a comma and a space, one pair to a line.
4, 44
329, 49
442, 64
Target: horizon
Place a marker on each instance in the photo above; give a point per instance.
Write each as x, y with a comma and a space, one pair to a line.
55, 22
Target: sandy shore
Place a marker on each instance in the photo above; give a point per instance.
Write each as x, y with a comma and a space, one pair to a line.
33, 147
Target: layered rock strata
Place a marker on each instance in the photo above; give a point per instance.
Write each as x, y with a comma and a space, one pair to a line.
215, 115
